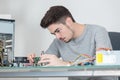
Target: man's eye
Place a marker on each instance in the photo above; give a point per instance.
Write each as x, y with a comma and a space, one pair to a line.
57, 30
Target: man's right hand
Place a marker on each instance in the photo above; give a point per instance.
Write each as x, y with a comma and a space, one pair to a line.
31, 57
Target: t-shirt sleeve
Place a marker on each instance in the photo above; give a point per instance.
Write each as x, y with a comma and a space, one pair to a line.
53, 49
102, 38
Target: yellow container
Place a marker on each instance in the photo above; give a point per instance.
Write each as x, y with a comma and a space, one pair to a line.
99, 58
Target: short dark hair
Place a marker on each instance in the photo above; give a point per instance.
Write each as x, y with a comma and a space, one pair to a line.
56, 14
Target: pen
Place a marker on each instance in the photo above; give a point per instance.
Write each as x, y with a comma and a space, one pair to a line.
42, 52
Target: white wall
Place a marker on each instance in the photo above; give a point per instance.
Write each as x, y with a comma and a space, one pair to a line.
30, 37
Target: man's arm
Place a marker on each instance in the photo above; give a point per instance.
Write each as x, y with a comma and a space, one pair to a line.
102, 39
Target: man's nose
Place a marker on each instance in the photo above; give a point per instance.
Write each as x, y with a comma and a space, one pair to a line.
58, 36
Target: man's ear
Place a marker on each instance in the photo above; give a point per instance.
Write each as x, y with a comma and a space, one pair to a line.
69, 21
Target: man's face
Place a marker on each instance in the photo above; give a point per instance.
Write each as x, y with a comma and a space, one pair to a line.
61, 31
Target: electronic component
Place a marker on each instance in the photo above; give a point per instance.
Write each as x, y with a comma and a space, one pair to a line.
108, 58
84, 59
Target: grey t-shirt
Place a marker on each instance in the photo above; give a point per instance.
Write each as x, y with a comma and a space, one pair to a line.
92, 38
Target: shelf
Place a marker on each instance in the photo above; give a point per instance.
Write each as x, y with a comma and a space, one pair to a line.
9, 46
8, 41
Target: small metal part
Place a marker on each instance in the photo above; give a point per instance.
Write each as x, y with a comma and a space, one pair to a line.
42, 52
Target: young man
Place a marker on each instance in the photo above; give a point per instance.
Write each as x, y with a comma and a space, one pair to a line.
72, 38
